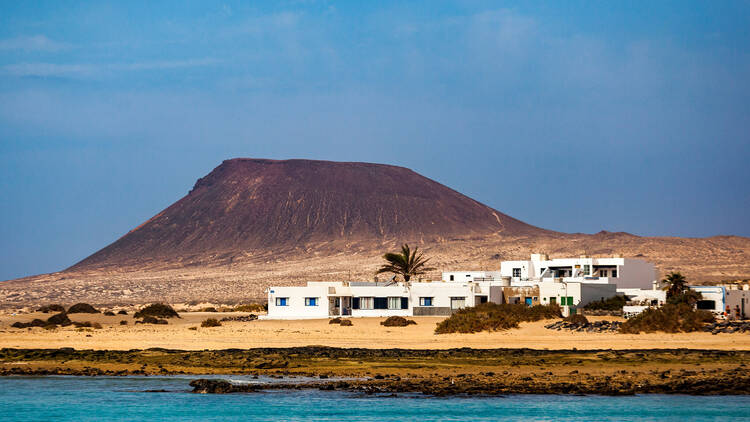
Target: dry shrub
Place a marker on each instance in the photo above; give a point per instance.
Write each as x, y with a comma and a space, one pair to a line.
250, 307
208, 309
109, 313
577, 319
346, 323
669, 318
210, 322
122, 312
397, 321
82, 308
158, 310
495, 317
336, 320
51, 308
152, 320
123, 322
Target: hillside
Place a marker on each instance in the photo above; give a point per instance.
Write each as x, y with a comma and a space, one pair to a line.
245, 205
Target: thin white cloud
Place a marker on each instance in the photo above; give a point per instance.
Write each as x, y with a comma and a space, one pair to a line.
33, 43
92, 70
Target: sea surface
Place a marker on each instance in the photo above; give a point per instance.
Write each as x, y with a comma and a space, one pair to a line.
69, 398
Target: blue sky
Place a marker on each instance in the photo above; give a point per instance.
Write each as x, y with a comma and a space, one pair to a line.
573, 116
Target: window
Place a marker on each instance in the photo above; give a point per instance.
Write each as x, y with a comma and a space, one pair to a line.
553, 300
587, 269
516, 272
452, 279
602, 273
614, 273
458, 302
567, 300
380, 303
365, 302
404, 303
394, 303
707, 305
425, 301
282, 301
355, 303
311, 301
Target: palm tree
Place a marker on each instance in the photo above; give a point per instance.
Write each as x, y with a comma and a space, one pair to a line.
676, 284
407, 264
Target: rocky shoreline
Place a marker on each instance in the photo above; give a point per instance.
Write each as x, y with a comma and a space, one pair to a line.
735, 382
399, 371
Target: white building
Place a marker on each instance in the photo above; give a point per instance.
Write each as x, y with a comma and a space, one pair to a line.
569, 282
624, 272
368, 299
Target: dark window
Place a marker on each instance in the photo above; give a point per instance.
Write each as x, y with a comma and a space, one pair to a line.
451, 278
355, 303
482, 299
425, 301
553, 300
706, 305
614, 273
404, 303
516, 272
381, 303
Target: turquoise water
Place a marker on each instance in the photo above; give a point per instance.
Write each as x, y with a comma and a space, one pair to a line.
123, 399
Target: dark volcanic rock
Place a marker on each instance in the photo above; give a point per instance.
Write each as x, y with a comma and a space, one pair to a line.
247, 204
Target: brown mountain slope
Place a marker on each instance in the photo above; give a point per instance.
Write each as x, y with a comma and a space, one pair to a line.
251, 204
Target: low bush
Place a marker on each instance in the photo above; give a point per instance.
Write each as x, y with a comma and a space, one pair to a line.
250, 307
670, 318
157, 310
614, 303
123, 322
208, 309
82, 308
152, 320
59, 319
51, 308
122, 312
397, 321
210, 322
346, 323
35, 323
336, 320
109, 313
576, 319
495, 317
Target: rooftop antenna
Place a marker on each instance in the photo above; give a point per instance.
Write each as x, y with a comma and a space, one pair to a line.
391, 281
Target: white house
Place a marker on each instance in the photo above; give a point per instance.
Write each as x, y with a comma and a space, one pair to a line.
624, 272
368, 299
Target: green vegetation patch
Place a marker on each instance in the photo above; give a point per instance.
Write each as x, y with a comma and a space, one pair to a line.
614, 303
495, 317
670, 318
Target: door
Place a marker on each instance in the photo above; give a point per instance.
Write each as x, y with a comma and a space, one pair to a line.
528, 301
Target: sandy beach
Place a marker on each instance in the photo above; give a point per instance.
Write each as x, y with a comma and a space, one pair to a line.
366, 333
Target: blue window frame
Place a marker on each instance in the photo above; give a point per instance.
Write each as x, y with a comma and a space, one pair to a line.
311, 301
282, 301
425, 301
